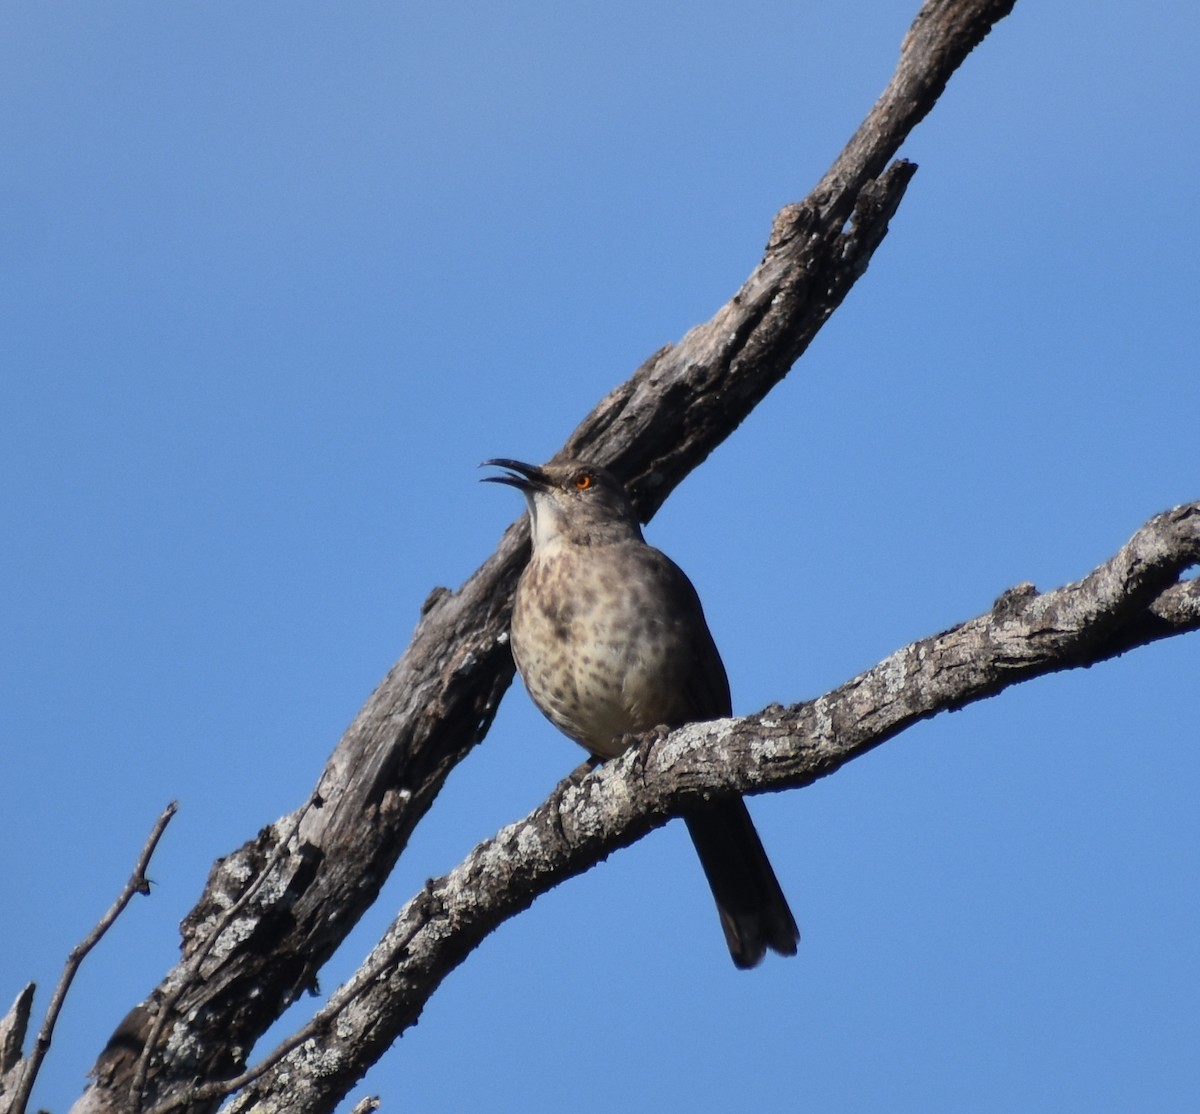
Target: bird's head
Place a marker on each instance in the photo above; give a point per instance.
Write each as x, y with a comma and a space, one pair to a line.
572, 500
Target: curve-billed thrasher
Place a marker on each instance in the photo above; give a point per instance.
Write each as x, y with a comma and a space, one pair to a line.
610, 640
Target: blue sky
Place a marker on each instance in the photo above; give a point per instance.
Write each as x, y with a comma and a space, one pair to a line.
277, 277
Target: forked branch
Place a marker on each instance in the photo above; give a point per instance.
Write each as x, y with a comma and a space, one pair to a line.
438, 701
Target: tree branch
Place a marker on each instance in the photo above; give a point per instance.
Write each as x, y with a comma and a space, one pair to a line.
1134, 598
438, 701
137, 884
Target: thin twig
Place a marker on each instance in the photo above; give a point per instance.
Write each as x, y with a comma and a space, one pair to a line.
137, 884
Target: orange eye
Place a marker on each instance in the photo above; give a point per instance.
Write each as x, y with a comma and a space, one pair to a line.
583, 481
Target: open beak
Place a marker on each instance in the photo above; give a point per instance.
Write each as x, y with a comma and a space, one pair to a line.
524, 477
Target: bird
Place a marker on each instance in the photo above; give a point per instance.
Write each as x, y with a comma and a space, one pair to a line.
610, 640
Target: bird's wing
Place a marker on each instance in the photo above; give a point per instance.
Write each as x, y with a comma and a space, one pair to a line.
705, 690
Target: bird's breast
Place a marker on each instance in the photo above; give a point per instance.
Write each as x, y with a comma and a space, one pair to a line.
595, 646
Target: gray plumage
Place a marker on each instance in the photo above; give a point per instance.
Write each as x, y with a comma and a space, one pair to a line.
609, 637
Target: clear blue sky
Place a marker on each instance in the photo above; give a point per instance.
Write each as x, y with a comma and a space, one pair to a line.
277, 276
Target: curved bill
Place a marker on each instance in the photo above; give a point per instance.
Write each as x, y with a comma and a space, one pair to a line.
524, 477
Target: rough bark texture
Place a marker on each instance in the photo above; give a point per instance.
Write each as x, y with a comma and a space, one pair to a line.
276, 909
13, 1027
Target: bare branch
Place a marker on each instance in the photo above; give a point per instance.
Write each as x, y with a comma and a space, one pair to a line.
137, 884
1132, 599
438, 701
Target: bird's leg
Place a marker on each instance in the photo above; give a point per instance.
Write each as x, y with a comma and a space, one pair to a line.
645, 739
583, 769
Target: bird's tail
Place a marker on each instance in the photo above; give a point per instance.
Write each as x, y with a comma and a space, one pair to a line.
754, 912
